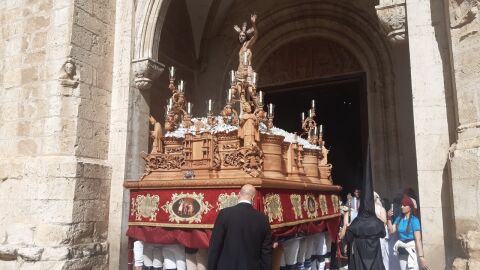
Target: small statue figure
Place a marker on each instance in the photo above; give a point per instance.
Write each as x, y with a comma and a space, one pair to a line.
170, 121
229, 115
187, 121
248, 129
247, 40
156, 135
245, 76
68, 74
324, 155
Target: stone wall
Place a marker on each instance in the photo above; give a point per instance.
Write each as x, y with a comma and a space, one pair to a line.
465, 152
54, 185
431, 94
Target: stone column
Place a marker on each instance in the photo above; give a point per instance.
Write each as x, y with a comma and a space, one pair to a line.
129, 132
465, 152
54, 188
430, 87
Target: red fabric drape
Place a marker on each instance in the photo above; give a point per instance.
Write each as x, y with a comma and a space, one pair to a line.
199, 238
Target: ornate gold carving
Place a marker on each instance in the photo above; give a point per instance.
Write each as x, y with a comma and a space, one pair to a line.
226, 200
273, 207
270, 138
323, 204
174, 150
232, 159
162, 162
186, 207
335, 203
230, 146
296, 201
310, 206
216, 162
252, 161
145, 206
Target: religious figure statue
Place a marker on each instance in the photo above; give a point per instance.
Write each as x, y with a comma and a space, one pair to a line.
156, 135
245, 76
324, 155
229, 115
248, 129
68, 74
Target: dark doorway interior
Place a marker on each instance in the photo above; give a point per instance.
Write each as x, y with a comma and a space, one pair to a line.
341, 109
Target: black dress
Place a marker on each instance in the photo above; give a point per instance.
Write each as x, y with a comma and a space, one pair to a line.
363, 236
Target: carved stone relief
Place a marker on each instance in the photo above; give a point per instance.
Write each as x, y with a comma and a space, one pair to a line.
463, 12
392, 17
146, 71
308, 58
68, 74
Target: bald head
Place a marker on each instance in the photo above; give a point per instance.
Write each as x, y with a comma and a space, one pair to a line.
247, 192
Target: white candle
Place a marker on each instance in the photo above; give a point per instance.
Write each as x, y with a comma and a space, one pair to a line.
321, 129
245, 58
270, 109
172, 72
310, 113
209, 105
170, 103
189, 108
254, 78
232, 77
313, 103
181, 86
229, 95
315, 131
260, 97
303, 116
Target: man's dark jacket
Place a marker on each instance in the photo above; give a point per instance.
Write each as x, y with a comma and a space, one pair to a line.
241, 240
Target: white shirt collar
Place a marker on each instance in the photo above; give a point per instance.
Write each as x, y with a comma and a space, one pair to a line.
245, 201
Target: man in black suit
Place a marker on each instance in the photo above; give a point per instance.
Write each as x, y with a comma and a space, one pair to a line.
241, 238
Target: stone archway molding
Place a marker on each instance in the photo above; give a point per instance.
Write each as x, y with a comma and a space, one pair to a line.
149, 16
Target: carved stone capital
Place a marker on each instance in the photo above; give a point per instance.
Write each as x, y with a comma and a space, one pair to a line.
392, 17
146, 71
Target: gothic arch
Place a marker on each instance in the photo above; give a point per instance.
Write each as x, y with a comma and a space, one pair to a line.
360, 34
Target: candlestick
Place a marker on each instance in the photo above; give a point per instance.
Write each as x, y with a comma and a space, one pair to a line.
232, 77
321, 129
315, 131
313, 103
303, 116
310, 113
209, 106
189, 108
260, 97
170, 102
254, 78
181, 86
172, 73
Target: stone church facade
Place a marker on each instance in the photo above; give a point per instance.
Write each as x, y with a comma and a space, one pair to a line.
78, 80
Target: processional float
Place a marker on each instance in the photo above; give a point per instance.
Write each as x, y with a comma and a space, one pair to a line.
196, 168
